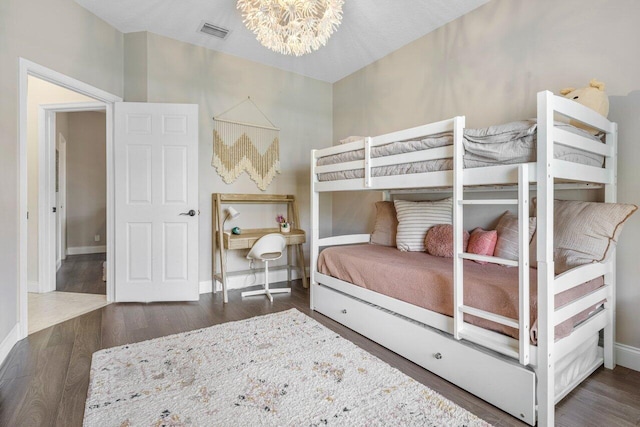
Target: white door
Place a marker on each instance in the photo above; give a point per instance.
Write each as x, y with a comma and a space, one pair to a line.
156, 198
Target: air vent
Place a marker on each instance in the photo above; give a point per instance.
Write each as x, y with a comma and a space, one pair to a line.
214, 30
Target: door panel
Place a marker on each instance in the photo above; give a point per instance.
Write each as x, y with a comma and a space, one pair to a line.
156, 162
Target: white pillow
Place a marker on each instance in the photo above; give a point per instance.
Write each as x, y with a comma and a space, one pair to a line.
416, 218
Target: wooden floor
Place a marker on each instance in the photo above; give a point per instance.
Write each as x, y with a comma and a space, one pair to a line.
82, 273
44, 380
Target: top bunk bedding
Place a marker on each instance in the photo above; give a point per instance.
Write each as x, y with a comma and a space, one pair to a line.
510, 143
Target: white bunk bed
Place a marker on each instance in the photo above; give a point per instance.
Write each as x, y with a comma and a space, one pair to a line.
514, 375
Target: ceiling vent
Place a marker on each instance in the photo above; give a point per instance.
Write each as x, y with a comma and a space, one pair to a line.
214, 30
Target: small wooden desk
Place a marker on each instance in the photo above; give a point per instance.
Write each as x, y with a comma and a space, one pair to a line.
247, 239
222, 241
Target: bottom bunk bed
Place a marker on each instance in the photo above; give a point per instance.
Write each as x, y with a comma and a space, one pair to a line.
404, 301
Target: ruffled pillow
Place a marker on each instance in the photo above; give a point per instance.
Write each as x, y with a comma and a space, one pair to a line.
439, 240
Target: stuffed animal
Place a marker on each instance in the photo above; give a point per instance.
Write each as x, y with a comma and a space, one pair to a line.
592, 96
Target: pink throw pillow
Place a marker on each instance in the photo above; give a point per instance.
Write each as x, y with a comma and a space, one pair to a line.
439, 240
482, 242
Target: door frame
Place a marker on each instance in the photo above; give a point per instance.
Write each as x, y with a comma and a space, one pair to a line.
61, 200
28, 68
48, 229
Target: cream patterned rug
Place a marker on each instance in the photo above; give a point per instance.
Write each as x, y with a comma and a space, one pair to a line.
283, 369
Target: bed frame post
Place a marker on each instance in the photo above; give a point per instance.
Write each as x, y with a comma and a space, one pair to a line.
458, 224
523, 262
546, 294
611, 196
315, 229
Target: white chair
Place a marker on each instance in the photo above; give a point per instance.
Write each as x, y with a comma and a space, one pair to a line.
268, 248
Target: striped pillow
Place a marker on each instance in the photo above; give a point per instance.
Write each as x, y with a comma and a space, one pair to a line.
416, 218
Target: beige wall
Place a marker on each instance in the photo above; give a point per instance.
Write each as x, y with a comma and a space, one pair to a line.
300, 106
75, 43
86, 179
135, 67
489, 65
40, 93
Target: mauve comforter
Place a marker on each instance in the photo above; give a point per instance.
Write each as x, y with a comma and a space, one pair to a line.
427, 281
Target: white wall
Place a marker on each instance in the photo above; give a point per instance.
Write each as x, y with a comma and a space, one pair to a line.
68, 39
300, 106
39, 93
489, 65
86, 179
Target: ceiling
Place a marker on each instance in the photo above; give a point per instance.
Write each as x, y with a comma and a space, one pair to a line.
370, 29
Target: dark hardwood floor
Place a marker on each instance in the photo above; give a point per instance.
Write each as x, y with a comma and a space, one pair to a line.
82, 273
44, 380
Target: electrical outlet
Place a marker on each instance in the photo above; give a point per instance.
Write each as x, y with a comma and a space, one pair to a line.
96, 237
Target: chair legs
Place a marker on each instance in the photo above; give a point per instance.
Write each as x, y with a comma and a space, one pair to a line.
266, 291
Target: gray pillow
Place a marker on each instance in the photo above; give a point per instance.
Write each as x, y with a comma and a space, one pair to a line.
508, 246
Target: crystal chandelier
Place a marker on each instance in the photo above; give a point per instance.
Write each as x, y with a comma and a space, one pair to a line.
292, 27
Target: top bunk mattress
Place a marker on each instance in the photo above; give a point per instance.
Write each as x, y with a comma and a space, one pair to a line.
510, 143
427, 281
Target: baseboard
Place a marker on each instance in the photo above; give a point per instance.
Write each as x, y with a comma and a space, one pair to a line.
8, 342
627, 356
33, 286
206, 287
83, 250
244, 281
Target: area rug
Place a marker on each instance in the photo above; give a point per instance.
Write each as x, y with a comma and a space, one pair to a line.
282, 369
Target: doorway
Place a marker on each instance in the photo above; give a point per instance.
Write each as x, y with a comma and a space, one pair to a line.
78, 134
45, 184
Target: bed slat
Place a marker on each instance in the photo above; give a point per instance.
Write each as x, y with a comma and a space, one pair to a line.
580, 275
490, 202
491, 259
578, 172
581, 304
415, 133
506, 321
339, 167
564, 137
414, 156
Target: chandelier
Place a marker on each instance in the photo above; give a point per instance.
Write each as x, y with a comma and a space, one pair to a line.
292, 27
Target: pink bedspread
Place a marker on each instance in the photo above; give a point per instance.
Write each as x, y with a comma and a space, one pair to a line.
427, 281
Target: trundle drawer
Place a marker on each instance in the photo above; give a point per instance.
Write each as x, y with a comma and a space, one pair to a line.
501, 382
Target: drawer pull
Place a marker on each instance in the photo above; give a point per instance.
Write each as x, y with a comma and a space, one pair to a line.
344, 311
438, 356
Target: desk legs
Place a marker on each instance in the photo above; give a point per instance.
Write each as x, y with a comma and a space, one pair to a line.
303, 271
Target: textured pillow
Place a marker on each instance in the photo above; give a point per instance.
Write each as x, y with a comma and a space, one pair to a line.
416, 218
386, 225
439, 240
507, 246
585, 232
482, 242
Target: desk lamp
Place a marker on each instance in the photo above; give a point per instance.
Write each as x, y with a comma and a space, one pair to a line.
231, 214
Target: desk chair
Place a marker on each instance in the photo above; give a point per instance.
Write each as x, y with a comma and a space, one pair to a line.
269, 247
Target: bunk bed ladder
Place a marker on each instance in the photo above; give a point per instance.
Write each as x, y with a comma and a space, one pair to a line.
522, 322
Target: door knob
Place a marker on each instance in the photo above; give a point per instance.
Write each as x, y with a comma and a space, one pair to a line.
190, 213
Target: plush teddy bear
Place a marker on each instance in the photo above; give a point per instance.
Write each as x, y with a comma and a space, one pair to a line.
592, 96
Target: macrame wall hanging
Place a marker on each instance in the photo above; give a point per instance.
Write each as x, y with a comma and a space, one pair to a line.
240, 146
